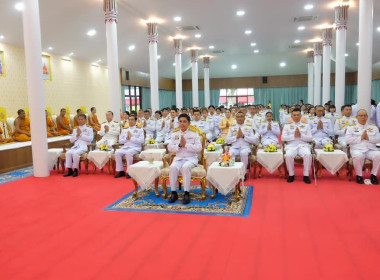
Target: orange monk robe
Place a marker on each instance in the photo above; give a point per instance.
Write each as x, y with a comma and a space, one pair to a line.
76, 124
24, 125
6, 140
95, 122
60, 129
50, 127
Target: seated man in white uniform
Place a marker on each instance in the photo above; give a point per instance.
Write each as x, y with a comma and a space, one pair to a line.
160, 127
186, 143
149, 125
81, 137
109, 131
321, 128
202, 125
132, 138
241, 136
362, 139
269, 131
298, 136
342, 123
170, 125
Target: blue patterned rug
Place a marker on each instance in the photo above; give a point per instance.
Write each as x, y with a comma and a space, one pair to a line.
16, 175
221, 205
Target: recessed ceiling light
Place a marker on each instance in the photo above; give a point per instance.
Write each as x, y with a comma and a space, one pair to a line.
248, 32
99, 60
308, 7
50, 48
233, 66
19, 6
282, 64
174, 64
256, 51
253, 44
91, 32
240, 13
198, 36
378, 29
158, 56
211, 47
301, 27
346, 54
131, 47
357, 43
297, 41
1, 37
177, 18
71, 54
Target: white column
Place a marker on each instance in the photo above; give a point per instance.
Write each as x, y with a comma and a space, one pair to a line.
206, 68
110, 11
341, 16
153, 63
178, 72
327, 37
317, 72
194, 67
36, 93
310, 77
365, 54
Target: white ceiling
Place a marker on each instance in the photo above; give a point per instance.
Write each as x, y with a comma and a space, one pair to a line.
64, 25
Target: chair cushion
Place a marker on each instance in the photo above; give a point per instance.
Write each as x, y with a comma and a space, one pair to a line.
82, 157
197, 172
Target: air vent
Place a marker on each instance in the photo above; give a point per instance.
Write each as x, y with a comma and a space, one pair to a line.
305, 18
218, 51
298, 46
188, 28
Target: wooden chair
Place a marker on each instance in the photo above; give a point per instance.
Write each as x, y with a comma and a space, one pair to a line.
367, 164
198, 173
297, 159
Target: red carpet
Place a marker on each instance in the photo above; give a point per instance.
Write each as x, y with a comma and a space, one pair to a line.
54, 228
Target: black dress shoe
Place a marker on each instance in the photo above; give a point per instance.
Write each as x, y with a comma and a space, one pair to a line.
359, 180
173, 197
128, 177
374, 180
186, 198
75, 174
290, 179
69, 173
120, 174
306, 179
245, 177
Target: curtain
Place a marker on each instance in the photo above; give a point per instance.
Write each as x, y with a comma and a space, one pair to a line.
166, 98
187, 98
201, 98
145, 98
214, 97
376, 90
123, 97
278, 96
350, 95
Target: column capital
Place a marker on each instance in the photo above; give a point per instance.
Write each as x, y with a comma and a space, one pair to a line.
327, 36
178, 45
152, 31
318, 49
110, 10
341, 16
194, 55
310, 56
206, 62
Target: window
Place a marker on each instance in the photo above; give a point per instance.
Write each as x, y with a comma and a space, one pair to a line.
132, 98
239, 96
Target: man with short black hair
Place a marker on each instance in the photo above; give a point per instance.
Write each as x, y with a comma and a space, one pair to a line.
342, 123
321, 128
170, 125
109, 131
202, 125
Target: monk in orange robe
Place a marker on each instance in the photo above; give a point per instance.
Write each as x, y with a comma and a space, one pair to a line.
63, 123
5, 134
50, 127
76, 123
93, 120
22, 127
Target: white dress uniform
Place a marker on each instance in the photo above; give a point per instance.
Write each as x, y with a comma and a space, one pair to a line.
150, 127
109, 138
251, 121
373, 113
354, 110
378, 114
131, 146
297, 146
167, 130
217, 121
362, 149
332, 117
340, 126
80, 145
211, 127
186, 157
269, 137
257, 119
160, 131
321, 136
202, 125
241, 146
285, 119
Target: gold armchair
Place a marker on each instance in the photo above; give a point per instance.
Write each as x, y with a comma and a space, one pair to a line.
198, 173
83, 157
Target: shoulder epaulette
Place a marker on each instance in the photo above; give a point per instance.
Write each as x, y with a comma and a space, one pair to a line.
304, 121
248, 124
372, 124
327, 117
233, 124
275, 121
138, 125
176, 129
115, 121
103, 122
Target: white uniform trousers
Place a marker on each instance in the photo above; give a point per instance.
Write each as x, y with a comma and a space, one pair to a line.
359, 158
184, 166
73, 157
269, 141
128, 153
342, 141
242, 152
321, 142
210, 136
303, 152
108, 142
